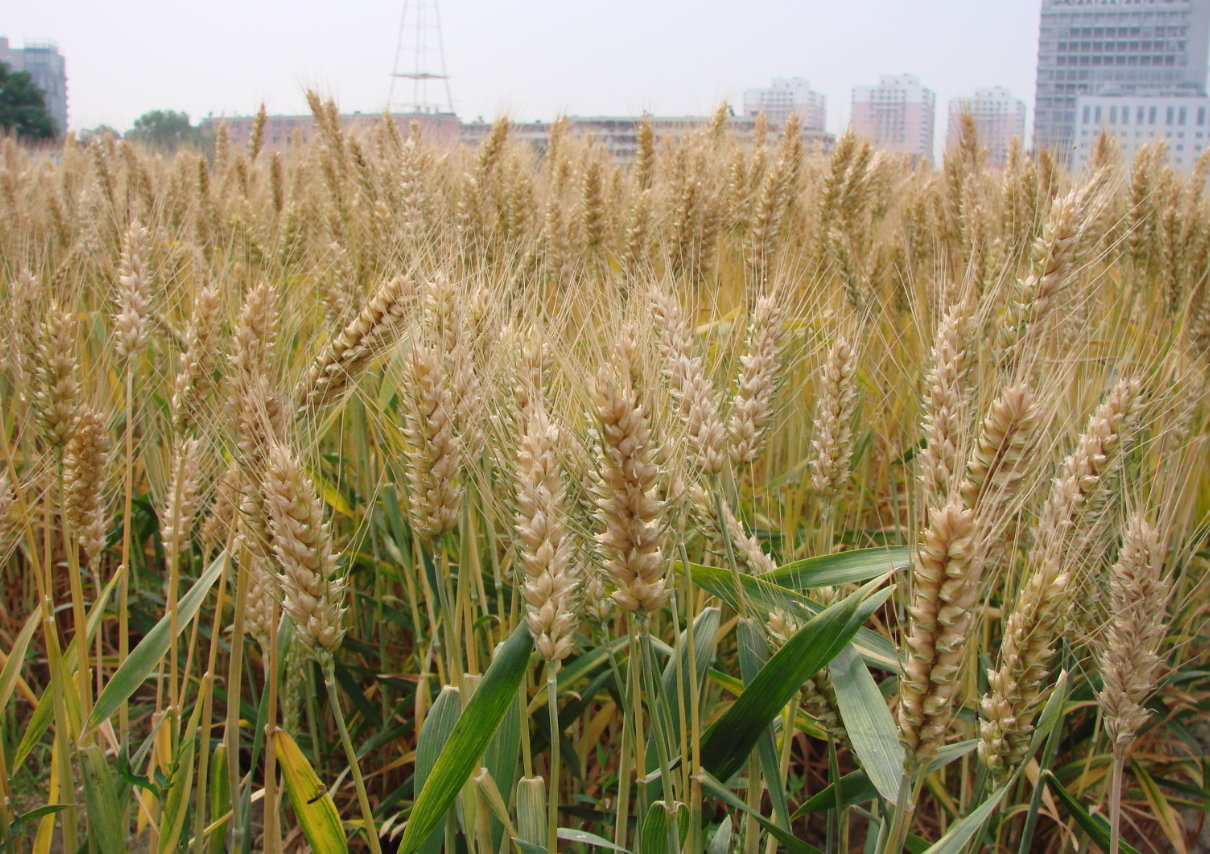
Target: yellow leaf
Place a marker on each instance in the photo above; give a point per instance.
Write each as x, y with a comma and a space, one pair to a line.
316, 813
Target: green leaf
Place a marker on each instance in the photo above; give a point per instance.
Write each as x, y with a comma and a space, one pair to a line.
40, 720
855, 788
524, 847
470, 738
705, 636
101, 797
874, 648
720, 843
1052, 712
955, 840
570, 834
655, 833
312, 804
220, 798
434, 733
39, 723
1096, 827
851, 567
727, 745
16, 657
868, 721
531, 809
753, 654
792, 843
145, 657
180, 786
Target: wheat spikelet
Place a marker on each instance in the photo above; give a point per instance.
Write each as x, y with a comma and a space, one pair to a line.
1054, 259
373, 330
182, 496
258, 604
84, 463
546, 547
7, 502
1016, 687
216, 530
1078, 494
259, 411
832, 445
56, 386
434, 452
753, 403
626, 503
196, 366
312, 594
1130, 659
997, 462
446, 317
132, 328
691, 388
944, 590
747, 548
22, 349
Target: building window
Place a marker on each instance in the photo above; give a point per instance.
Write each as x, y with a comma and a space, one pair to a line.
1171, 115
1097, 115
1087, 113
1182, 115
1201, 116
1138, 117
1151, 116
1113, 115
1125, 115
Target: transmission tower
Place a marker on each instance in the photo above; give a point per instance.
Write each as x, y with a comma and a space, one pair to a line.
420, 58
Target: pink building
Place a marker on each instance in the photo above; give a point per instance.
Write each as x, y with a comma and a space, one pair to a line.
998, 116
281, 131
898, 114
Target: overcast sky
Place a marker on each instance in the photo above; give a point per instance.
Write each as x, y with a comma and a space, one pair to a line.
527, 58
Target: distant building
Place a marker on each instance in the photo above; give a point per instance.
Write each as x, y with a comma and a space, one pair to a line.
281, 131
998, 118
785, 97
47, 70
1114, 47
1182, 121
898, 114
619, 135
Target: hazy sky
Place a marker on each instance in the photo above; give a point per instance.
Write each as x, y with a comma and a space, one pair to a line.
528, 58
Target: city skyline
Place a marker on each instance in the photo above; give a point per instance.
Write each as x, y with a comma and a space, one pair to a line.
228, 65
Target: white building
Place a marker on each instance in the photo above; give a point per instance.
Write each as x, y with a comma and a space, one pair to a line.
1182, 121
788, 95
998, 118
898, 114
47, 71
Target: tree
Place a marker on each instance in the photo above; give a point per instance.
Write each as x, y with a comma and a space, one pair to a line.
23, 106
167, 130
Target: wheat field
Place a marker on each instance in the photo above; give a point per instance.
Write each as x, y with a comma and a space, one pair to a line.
389, 496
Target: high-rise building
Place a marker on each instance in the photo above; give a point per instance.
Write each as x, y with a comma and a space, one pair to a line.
47, 70
898, 114
1114, 47
1181, 121
998, 118
788, 95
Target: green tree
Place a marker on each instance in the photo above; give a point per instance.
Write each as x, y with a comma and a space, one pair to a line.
23, 106
167, 130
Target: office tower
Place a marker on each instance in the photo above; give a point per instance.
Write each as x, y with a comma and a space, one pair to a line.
1114, 47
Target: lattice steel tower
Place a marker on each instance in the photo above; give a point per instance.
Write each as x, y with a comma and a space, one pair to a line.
420, 58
